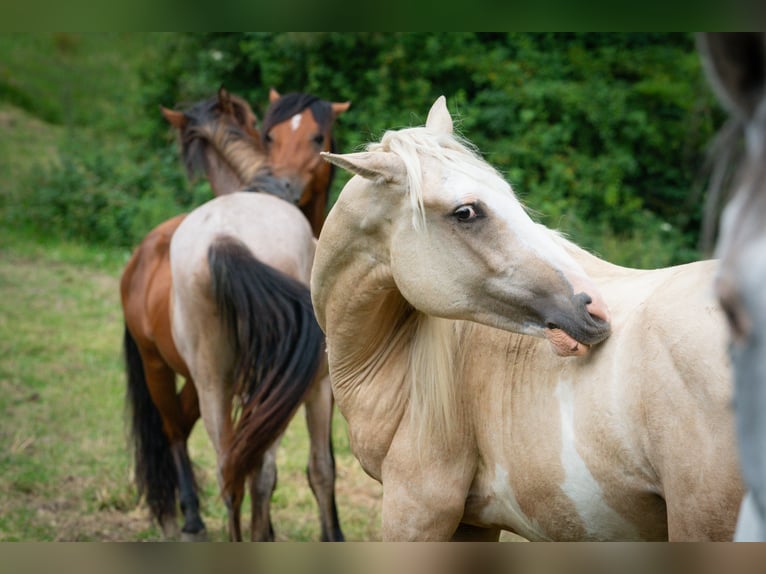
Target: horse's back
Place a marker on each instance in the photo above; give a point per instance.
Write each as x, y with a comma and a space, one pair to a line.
276, 232
669, 352
657, 385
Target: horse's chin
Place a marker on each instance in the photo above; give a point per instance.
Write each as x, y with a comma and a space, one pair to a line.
564, 345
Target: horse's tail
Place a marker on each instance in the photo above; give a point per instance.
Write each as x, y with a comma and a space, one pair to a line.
277, 342
155, 474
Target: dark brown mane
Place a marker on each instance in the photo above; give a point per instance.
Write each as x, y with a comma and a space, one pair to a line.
208, 125
294, 103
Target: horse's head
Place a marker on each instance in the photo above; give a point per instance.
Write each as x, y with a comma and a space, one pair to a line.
218, 136
460, 244
736, 66
296, 128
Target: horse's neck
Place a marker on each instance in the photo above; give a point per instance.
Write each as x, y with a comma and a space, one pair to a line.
593, 266
222, 177
369, 329
231, 163
367, 319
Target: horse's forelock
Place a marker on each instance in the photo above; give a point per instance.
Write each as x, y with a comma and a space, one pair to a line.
294, 103
412, 143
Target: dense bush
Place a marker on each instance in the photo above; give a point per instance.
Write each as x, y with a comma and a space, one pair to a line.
602, 135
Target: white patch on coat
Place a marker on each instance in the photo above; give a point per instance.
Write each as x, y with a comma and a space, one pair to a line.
600, 519
503, 508
295, 122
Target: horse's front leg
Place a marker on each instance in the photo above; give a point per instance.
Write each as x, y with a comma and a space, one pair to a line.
263, 481
424, 492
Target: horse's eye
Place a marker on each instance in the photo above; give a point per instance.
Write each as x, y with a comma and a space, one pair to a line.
319, 139
267, 138
465, 213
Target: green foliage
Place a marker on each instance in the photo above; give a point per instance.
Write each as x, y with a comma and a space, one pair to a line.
94, 194
602, 135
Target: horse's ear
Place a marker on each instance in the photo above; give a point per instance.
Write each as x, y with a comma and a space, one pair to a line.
224, 100
273, 95
732, 61
375, 165
339, 107
174, 118
439, 119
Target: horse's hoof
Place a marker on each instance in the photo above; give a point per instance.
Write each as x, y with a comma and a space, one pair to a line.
200, 536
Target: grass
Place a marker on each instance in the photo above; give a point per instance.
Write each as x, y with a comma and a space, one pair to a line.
65, 469
65, 466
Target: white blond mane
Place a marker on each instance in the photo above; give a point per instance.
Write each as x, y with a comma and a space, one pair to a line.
433, 405
411, 144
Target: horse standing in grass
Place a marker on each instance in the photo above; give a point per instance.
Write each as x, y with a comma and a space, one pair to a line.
441, 302
243, 324
218, 137
736, 67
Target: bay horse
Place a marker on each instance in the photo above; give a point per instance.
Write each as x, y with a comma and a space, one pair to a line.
495, 376
296, 128
736, 67
217, 136
243, 324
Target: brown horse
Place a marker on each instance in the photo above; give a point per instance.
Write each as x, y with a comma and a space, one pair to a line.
218, 137
296, 128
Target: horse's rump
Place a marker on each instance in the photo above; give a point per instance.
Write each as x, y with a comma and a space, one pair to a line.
277, 342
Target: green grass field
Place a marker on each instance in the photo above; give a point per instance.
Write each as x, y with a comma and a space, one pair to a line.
65, 469
65, 465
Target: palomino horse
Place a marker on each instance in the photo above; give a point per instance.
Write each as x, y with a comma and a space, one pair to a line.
428, 281
296, 128
736, 66
243, 325
216, 136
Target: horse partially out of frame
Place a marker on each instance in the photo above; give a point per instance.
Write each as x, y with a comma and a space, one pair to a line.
218, 137
736, 67
442, 302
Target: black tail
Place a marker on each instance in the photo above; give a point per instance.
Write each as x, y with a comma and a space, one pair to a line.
155, 473
277, 343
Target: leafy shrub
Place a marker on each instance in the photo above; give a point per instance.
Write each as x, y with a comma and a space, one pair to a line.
95, 195
602, 134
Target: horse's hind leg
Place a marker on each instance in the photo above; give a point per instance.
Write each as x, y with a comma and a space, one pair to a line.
321, 466
193, 528
263, 481
215, 402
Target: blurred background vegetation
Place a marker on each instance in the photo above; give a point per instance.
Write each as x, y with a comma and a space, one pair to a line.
603, 136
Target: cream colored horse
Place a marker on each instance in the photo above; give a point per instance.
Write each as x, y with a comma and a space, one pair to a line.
428, 281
